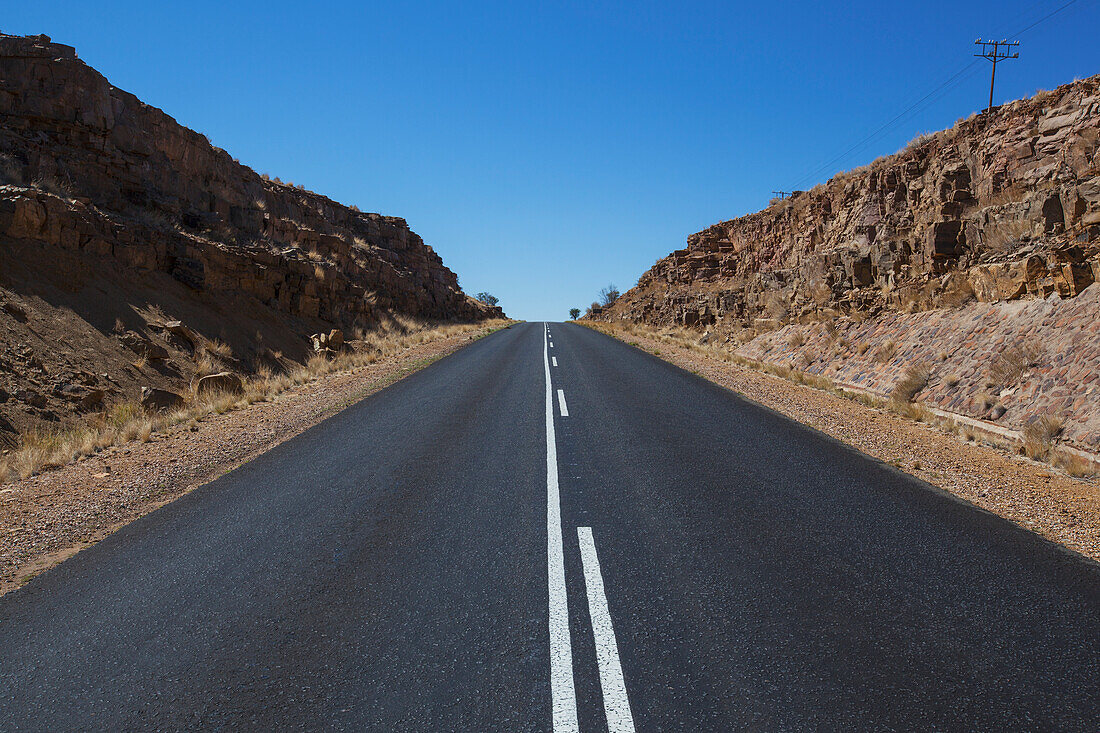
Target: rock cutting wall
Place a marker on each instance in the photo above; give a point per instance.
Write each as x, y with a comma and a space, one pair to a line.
116, 221
1004, 205
972, 254
1007, 362
92, 168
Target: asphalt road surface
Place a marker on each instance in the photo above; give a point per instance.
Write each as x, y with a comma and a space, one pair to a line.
552, 530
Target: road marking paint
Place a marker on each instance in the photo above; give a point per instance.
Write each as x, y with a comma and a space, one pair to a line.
561, 403
554, 360
563, 694
551, 344
616, 705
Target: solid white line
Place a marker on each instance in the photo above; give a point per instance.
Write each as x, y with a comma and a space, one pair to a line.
616, 705
554, 360
563, 694
561, 403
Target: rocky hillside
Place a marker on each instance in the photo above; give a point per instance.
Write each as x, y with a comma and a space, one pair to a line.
126, 237
965, 266
1004, 205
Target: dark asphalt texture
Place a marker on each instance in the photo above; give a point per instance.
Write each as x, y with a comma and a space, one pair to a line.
387, 570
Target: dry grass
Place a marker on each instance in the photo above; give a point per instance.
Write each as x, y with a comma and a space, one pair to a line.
913, 381
218, 347
127, 421
886, 352
1074, 465
1040, 435
796, 339
1010, 364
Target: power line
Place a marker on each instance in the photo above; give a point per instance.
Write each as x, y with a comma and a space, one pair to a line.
889, 123
951, 81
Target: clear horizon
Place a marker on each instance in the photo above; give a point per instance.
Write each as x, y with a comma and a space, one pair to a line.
545, 153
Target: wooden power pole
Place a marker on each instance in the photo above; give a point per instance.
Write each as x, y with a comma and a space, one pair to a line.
996, 51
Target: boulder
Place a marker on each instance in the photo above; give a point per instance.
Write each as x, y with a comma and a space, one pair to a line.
157, 400
15, 310
220, 382
332, 341
92, 400
182, 332
143, 346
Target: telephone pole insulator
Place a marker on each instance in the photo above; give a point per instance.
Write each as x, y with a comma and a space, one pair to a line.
996, 51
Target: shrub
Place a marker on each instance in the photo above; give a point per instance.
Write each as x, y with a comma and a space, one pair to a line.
913, 381
1074, 465
487, 298
796, 339
1040, 434
886, 352
1009, 365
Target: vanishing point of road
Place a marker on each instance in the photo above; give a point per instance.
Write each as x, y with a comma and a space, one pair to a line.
552, 530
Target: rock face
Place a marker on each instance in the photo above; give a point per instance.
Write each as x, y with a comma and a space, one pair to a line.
128, 243
1004, 205
122, 180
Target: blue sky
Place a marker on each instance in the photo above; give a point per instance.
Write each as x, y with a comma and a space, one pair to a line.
548, 149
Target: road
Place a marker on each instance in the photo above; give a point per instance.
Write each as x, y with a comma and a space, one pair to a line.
552, 530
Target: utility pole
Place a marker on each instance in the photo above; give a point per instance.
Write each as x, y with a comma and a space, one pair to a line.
996, 51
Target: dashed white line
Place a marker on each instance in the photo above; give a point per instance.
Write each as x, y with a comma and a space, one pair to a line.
551, 344
554, 360
615, 702
563, 694
561, 403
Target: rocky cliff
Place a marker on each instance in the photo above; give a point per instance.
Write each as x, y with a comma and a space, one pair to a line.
1004, 205
115, 220
967, 261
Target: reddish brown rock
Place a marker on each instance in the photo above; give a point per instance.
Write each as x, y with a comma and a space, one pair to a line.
1009, 199
220, 382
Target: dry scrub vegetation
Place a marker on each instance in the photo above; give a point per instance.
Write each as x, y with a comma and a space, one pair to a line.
1039, 438
128, 421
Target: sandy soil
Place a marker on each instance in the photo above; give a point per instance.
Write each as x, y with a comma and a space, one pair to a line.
48, 517
1033, 495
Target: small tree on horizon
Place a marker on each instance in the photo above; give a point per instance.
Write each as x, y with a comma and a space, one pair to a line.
487, 298
574, 313
609, 295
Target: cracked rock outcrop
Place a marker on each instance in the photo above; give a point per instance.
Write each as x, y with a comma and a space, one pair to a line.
126, 237
1004, 205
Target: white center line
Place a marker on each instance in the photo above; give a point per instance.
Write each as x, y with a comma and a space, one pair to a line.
561, 403
616, 705
563, 694
554, 360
